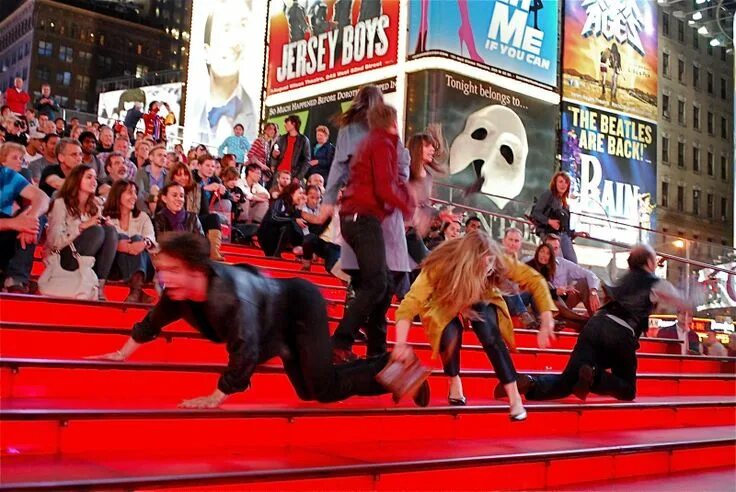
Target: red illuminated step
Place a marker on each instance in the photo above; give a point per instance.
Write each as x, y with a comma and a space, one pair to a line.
70, 378
38, 426
511, 463
44, 310
23, 340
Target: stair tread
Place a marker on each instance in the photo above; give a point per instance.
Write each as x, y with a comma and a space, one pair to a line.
273, 368
52, 408
720, 480
263, 462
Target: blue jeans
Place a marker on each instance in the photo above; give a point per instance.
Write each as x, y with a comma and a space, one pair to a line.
517, 303
16, 261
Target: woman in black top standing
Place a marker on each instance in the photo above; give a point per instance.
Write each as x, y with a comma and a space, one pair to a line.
551, 214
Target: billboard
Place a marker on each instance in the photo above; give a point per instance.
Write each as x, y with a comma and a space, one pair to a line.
225, 75
114, 105
610, 55
315, 41
514, 38
612, 159
325, 108
499, 141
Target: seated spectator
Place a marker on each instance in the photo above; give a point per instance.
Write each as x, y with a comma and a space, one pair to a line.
181, 175
236, 144
116, 170
122, 147
713, 347
107, 139
31, 120
76, 132
544, 262
173, 217
318, 240
260, 151
732, 345
15, 130
323, 153
317, 180
515, 299
89, 153
201, 150
179, 149
75, 218
11, 156
48, 157
231, 181
46, 105
212, 192
135, 238
574, 283
172, 158
19, 232
683, 331
69, 155
151, 179
473, 224
192, 159
60, 126
283, 178
34, 148
283, 225
228, 160
140, 155
452, 229
256, 196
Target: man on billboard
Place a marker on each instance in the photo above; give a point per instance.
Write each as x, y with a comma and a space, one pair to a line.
225, 42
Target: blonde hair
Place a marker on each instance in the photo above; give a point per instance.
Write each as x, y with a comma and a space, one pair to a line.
323, 129
8, 147
457, 276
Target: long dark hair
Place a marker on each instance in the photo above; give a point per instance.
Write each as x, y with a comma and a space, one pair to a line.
548, 271
286, 193
69, 192
367, 97
553, 186
416, 145
176, 169
112, 205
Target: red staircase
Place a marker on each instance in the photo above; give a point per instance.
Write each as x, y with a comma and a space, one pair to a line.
67, 423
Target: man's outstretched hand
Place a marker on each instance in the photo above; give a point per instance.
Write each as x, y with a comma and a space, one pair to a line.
212, 401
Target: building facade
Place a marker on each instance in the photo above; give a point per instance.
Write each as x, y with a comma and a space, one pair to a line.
71, 47
695, 162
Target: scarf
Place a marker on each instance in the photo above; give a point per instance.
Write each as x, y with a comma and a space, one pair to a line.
176, 220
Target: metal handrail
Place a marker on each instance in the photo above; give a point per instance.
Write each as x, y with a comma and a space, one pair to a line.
623, 246
582, 214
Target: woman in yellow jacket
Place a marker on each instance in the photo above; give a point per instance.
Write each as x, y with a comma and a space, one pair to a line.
461, 278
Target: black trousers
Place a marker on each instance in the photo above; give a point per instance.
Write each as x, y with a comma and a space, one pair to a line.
210, 222
274, 237
308, 359
486, 328
372, 288
603, 344
314, 245
98, 241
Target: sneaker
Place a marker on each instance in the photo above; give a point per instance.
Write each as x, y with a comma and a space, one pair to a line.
581, 389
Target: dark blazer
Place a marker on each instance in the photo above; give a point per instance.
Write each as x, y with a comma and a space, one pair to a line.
324, 155
693, 341
299, 158
243, 313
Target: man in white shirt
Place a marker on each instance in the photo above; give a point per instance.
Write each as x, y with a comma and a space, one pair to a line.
682, 330
256, 196
574, 283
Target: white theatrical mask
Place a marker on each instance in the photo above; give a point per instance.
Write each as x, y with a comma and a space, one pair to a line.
494, 142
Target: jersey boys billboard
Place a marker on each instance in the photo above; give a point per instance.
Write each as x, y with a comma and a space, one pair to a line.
610, 55
515, 38
612, 161
311, 42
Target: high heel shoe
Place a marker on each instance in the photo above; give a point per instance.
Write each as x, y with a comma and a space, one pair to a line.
456, 402
465, 35
519, 417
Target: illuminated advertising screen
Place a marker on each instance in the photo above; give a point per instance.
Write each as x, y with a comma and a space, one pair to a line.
312, 42
514, 38
612, 161
324, 109
499, 141
225, 75
610, 55
112, 106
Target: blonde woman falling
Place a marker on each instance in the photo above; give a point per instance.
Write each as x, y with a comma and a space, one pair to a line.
461, 278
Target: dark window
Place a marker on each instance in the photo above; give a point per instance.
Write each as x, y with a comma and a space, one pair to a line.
724, 89
724, 128
680, 70
696, 76
724, 168
665, 194
710, 83
681, 112
711, 124
681, 31
665, 149
45, 48
710, 163
680, 154
724, 209
709, 48
64, 78
66, 54
666, 64
709, 205
680, 198
665, 24
696, 202
696, 117
666, 106
723, 53
696, 159
696, 39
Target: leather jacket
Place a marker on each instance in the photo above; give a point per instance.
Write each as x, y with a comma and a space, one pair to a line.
240, 311
191, 223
